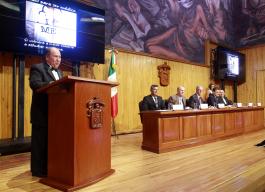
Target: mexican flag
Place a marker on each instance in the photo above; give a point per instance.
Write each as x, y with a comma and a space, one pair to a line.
114, 91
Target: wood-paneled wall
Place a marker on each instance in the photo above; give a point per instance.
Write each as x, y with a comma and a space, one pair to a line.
135, 74
6, 86
254, 88
6, 97
255, 61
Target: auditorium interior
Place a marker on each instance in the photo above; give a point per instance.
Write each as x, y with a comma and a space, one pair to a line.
168, 43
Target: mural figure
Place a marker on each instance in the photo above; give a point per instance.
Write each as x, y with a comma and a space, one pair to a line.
188, 36
220, 14
134, 27
254, 32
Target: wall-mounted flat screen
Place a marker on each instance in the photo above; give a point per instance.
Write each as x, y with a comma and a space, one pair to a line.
31, 26
229, 65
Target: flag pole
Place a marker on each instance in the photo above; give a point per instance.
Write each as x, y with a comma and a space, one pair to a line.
114, 133
112, 77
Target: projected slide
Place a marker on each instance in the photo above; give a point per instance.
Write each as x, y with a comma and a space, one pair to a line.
233, 64
49, 24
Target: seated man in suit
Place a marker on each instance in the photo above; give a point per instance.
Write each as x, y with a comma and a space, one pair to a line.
196, 99
153, 101
223, 99
214, 97
177, 99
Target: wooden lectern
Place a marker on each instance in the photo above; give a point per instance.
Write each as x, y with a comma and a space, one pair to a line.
79, 133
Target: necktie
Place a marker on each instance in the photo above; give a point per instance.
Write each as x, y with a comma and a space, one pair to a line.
156, 101
200, 100
180, 101
224, 101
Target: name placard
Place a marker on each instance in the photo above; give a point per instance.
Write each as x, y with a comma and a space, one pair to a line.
250, 104
221, 105
177, 107
204, 106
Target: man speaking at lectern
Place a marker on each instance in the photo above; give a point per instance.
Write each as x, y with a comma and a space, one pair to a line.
40, 75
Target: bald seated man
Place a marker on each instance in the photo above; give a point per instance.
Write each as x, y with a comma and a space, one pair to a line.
196, 99
40, 75
178, 98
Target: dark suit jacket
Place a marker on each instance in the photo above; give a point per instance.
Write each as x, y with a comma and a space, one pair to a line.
40, 75
149, 104
194, 100
228, 102
212, 100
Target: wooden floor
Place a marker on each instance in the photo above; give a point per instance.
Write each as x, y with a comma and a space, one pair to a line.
227, 166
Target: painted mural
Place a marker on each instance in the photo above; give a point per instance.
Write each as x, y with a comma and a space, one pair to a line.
250, 23
175, 29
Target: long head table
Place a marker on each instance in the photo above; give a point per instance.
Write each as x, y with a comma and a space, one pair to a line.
170, 130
